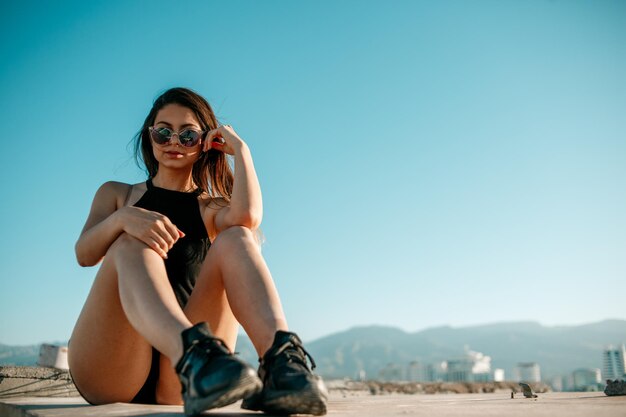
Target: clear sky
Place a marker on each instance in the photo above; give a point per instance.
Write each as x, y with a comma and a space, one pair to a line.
423, 163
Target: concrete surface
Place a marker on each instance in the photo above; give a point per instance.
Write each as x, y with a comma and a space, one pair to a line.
32, 381
363, 405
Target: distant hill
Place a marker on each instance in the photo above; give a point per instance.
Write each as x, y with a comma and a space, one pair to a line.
558, 350
19, 355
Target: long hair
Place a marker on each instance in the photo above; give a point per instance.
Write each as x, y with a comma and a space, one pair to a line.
211, 172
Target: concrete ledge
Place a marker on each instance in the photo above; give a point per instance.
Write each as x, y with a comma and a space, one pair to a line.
77, 407
49, 392
559, 404
29, 381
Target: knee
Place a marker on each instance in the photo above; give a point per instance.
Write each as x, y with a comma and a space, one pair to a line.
236, 236
125, 243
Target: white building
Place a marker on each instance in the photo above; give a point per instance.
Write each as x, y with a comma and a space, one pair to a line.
472, 367
527, 372
498, 375
614, 362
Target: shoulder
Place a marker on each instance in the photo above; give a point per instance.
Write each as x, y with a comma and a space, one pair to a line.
114, 187
115, 191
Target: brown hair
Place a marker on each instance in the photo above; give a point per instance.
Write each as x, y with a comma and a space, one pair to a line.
211, 172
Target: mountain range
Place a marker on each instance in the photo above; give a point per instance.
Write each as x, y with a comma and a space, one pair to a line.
558, 350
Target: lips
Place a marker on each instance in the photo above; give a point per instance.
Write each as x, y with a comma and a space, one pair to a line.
174, 154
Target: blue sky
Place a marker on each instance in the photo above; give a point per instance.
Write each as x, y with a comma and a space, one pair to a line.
422, 163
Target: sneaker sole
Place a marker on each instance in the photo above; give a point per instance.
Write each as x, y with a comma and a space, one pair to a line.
311, 401
245, 387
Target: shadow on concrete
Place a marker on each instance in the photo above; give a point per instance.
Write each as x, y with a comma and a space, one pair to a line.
60, 407
53, 384
34, 389
210, 413
50, 406
588, 398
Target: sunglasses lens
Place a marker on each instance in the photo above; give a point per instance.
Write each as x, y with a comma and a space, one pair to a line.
161, 135
189, 138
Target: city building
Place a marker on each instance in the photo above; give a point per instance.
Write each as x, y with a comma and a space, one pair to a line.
435, 372
391, 372
614, 362
361, 375
498, 375
416, 372
557, 383
472, 367
458, 370
527, 372
587, 379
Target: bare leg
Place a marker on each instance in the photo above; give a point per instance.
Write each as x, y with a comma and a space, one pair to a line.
234, 284
148, 298
130, 307
237, 262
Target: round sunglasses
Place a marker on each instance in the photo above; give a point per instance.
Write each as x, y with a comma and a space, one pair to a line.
186, 137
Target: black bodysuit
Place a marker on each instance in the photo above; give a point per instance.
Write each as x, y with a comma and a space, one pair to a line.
183, 260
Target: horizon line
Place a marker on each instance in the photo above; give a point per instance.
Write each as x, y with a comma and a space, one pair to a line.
389, 326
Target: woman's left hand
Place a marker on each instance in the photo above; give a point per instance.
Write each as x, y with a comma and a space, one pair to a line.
224, 139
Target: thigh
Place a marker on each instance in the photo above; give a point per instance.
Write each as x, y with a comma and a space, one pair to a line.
207, 303
108, 359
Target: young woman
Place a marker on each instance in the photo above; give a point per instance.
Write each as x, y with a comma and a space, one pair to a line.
181, 268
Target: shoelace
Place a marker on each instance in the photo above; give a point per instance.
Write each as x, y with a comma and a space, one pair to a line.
214, 346
294, 352
209, 347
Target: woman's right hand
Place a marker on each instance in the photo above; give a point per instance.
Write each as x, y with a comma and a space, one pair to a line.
150, 227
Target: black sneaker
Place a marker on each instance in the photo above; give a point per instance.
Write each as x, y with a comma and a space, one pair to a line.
210, 374
289, 386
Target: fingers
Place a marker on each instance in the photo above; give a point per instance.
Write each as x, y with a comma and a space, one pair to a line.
212, 144
206, 145
162, 242
212, 137
163, 235
166, 234
154, 229
171, 232
157, 243
216, 138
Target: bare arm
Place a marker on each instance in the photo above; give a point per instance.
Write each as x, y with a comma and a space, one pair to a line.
246, 204
108, 219
102, 226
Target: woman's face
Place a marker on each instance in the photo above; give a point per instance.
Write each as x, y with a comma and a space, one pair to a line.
173, 154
